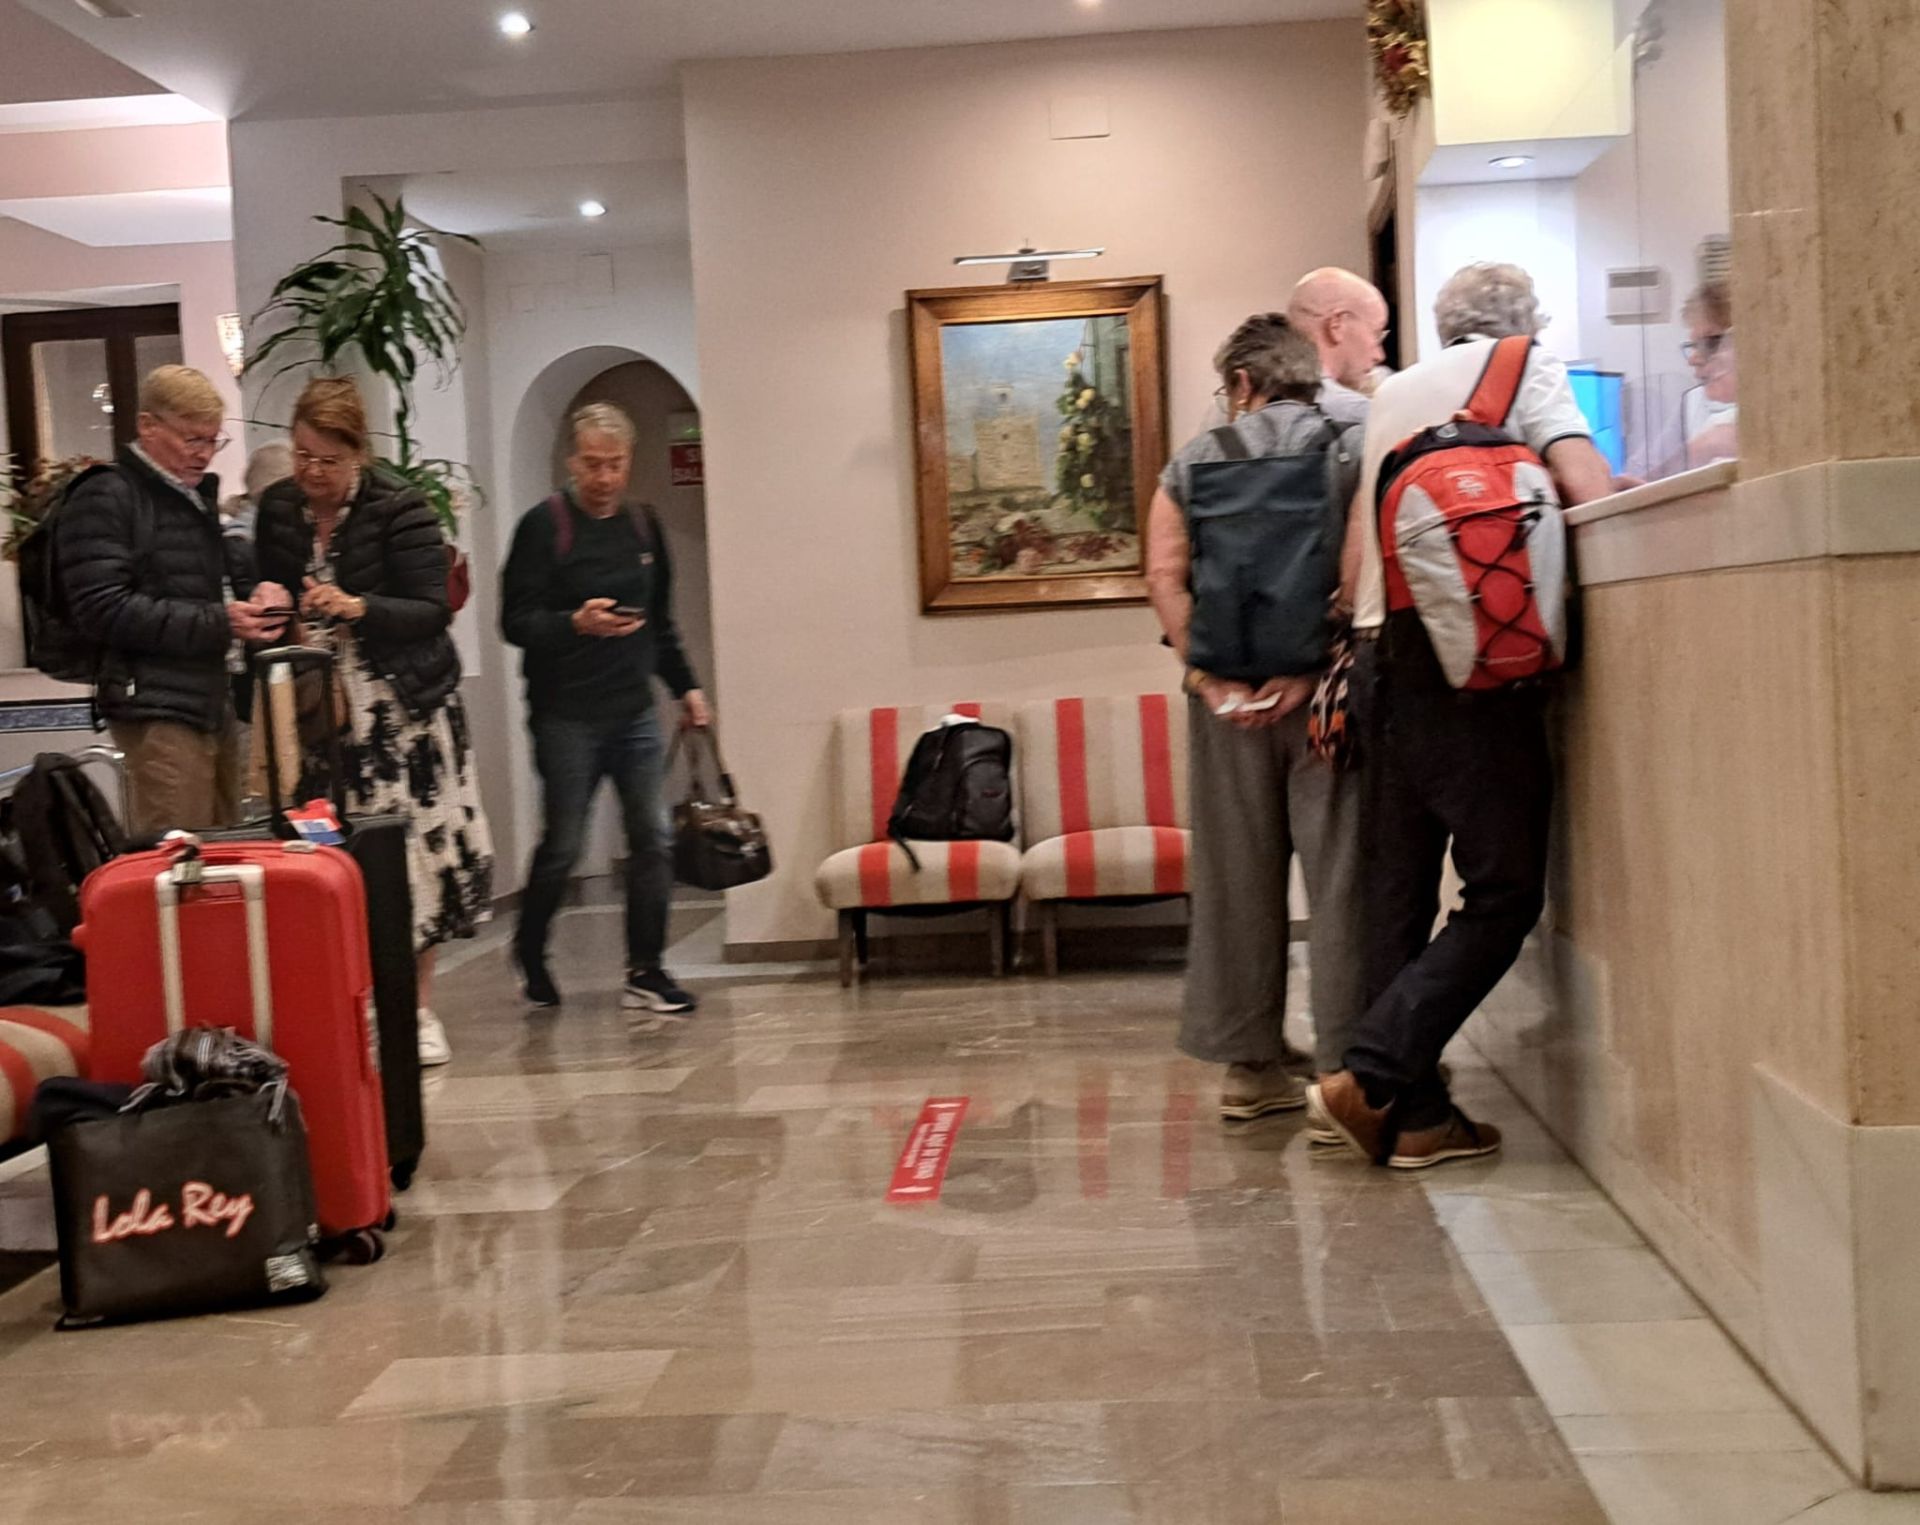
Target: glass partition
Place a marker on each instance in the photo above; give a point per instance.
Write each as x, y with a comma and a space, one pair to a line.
1627, 238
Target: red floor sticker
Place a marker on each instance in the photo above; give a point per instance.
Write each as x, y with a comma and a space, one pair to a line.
923, 1163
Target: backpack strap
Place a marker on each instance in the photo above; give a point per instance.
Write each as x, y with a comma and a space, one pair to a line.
562, 526
1499, 387
640, 513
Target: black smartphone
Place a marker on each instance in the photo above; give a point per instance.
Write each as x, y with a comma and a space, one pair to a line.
628, 612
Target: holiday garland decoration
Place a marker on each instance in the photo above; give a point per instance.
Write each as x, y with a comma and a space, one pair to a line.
1397, 31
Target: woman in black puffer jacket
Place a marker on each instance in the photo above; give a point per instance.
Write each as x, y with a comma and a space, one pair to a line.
366, 550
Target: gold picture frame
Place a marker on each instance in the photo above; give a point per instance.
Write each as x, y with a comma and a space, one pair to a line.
1039, 416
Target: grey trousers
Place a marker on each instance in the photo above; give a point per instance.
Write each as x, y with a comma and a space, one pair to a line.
1258, 797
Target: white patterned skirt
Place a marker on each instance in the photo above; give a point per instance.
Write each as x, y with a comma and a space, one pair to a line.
394, 764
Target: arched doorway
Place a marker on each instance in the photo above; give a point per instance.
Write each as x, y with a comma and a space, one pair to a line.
529, 467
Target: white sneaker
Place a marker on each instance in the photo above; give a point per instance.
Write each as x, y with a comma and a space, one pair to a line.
433, 1041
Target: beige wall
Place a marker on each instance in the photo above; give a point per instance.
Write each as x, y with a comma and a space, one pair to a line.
824, 188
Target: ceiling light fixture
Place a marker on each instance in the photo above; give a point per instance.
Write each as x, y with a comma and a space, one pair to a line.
593, 209
515, 24
1511, 161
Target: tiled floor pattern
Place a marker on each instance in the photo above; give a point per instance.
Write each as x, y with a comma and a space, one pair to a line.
647, 1276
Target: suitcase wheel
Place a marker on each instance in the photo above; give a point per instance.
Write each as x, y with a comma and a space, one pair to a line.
362, 1247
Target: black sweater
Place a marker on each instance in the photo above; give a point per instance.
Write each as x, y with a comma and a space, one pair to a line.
389, 550
624, 558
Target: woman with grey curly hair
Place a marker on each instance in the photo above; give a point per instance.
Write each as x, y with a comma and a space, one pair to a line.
1259, 793
1494, 301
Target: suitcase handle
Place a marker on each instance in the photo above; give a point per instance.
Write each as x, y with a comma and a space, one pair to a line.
292, 659
189, 869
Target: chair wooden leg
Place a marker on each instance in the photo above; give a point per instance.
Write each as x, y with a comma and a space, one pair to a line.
862, 941
1050, 937
846, 949
997, 919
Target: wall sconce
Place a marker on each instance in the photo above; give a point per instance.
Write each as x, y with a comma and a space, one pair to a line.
233, 342
1027, 263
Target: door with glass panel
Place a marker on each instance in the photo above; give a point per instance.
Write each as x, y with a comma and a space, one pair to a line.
73, 378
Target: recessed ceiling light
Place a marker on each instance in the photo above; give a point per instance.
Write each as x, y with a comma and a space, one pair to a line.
593, 209
1511, 161
1089, 5
515, 24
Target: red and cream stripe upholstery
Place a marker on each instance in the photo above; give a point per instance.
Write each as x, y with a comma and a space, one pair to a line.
1104, 786
35, 1046
871, 873
878, 875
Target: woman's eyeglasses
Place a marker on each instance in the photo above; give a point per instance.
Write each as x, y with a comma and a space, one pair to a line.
1705, 347
305, 462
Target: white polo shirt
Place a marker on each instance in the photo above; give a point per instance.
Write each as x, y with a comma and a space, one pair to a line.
1431, 393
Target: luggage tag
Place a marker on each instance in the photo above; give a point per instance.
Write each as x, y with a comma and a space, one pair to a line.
317, 824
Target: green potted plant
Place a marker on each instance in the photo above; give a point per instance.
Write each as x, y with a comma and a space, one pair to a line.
378, 294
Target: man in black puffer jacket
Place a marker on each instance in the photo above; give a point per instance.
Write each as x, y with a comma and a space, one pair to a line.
147, 574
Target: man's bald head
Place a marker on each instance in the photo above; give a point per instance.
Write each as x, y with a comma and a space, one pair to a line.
1347, 320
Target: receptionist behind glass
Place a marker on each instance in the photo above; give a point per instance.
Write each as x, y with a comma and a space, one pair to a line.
1708, 413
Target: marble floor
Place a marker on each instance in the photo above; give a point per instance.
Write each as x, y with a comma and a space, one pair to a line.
648, 1274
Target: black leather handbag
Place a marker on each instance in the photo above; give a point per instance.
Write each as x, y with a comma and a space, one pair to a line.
717, 845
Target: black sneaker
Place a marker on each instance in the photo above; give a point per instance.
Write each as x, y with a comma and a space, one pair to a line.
535, 983
655, 990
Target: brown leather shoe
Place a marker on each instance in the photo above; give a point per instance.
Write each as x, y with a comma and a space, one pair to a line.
1338, 1105
1458, 1138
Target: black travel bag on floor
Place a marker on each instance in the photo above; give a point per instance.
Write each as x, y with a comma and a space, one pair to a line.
378, 843
167, 1205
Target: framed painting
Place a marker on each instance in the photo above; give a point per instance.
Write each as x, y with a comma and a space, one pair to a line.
1039, 415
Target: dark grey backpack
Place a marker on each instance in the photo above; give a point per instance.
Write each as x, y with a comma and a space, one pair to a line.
1265, 534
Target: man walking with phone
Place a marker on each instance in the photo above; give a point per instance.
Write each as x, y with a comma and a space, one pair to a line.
587, 596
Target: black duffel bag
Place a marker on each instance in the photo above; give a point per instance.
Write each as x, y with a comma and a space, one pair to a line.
173, 1201
717, 845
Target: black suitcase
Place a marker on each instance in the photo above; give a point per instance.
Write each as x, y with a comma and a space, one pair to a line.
378, 843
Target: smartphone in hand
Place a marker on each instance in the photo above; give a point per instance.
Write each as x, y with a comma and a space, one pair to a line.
628, 612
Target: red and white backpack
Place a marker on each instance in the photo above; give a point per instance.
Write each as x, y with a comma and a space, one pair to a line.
1471, 536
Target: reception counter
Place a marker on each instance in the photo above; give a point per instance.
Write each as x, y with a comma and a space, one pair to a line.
1719, 1019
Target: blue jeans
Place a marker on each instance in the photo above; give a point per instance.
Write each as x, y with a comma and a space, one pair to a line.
572, 757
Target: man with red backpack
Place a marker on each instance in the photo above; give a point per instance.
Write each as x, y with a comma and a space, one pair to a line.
1457, 550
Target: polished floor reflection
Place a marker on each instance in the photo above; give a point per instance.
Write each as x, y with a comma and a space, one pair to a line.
648, 1275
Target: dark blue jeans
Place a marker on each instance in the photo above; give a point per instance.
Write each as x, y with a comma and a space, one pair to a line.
572, 757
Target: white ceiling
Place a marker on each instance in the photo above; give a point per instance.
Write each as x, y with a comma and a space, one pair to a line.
646, 204
293, 58
134, 217
161, 109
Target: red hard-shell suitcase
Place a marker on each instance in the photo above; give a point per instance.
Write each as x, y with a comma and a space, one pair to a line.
269, 938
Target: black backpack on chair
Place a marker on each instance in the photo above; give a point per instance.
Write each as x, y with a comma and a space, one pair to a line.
958, 787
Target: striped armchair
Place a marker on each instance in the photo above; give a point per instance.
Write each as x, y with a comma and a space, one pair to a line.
1104, 794
36, 1045
870, 875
